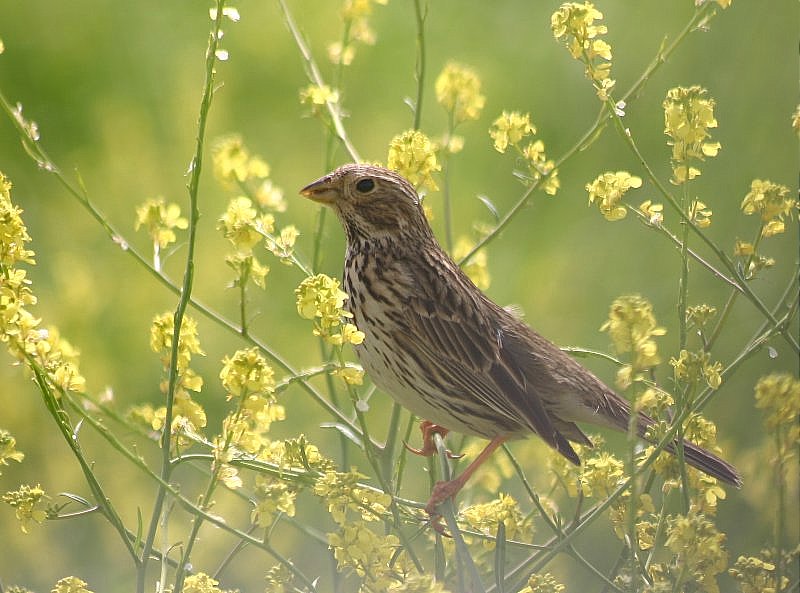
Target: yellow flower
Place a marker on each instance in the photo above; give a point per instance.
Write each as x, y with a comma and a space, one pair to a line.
247, 372
342, 493
200, 583
369, 554
160, 218
699, 548
543, 583
486, 518
573, 23
608, 189
247, 267
316, 97
70, 585
458, 90
653, 212
758, 574
632, 326
700, 214
8, 451
283, 245
13, 232
272, 497
509, 129
30, 504
233, 163
691, 367
688, 117
772, 202
413, 155
242, 225
778, 395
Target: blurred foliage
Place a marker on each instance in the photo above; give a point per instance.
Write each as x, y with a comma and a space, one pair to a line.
115, 89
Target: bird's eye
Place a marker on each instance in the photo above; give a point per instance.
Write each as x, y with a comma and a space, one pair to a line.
365, 185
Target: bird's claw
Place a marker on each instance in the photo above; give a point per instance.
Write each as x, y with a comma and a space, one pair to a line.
428, 448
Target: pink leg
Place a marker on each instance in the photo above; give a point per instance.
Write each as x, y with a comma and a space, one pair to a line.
443, 490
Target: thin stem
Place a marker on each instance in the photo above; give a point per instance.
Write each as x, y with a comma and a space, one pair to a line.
421, 13
314, 75
186, 290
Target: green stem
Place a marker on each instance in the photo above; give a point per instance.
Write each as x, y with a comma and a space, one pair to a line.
186, 290
421, 13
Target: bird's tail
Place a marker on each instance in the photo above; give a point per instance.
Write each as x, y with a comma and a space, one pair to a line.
702, 459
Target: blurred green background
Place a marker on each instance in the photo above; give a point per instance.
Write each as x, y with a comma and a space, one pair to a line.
115, 89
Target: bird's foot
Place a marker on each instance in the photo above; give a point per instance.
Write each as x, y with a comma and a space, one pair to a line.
442, 491
428, 448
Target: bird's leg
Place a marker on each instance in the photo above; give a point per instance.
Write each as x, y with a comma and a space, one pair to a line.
428, 448
443, 490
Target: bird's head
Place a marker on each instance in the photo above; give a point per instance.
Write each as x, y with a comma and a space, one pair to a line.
370, 201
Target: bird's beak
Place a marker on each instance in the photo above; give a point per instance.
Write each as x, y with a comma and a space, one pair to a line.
323, 190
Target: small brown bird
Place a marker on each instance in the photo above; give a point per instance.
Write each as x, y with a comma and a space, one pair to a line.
446, 352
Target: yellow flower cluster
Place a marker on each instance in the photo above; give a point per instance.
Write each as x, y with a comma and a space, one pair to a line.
413, 155
543, 583
699, 549
509, 130
320, 298
608, 190
700, 214
233, 163
632, 326
771, 201
202, 583
688, 117
315, 97
653, 212
574, 24
778, 395
367, 553
26, 340
691, 367
754, 574
342, 493
244, 227
699, 315
271, 497
186, 409
247, 373
160, 219
355, 15
458, 90
8, 449
282, 246
486, 517
30, 502
71, 585
278, 578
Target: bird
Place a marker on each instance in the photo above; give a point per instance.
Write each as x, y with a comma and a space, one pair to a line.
441, 348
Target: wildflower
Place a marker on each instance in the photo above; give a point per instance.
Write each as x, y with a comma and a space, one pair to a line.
13, 232
699, 315
283, 245
71, 585
8, 451
200, 583
367, 553
690, 367
543, 583
772, 202
270, 196
233, 163
602, 473
757, 574
688, 116
509, 129
355, 14
161, 333
487, 517
320, 298
413, 155
699, 549
271, 497
458, 90
573, 23
608, 189
632, 326
160, 219
778, 395
243, 226
350, 375
342, 492
700, 214
247, 267
317, 97
246, 372
30, 504
653, 212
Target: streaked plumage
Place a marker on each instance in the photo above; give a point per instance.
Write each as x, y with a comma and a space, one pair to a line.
441, 348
